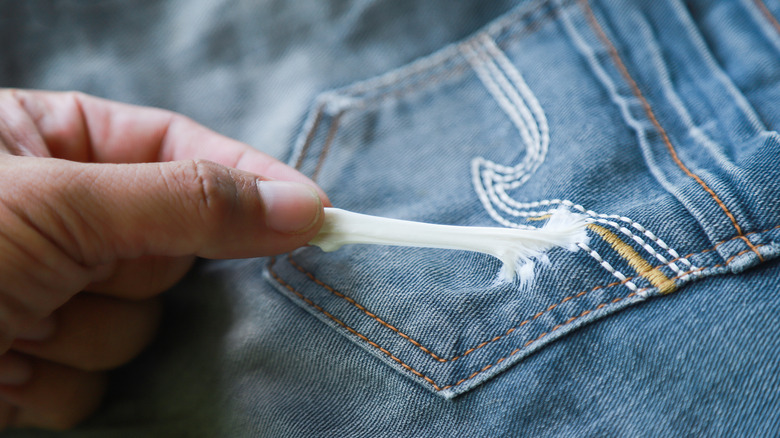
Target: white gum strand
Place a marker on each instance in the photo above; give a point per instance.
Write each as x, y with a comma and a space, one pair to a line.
516, 248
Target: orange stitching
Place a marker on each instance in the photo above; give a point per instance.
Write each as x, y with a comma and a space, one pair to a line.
350, 329
334, 126
516, 350
721, 243
768, 14
651, 115
737, 255
418, 344
309, 138
363, 309
521, 324
487, 367
574, 318
530, 27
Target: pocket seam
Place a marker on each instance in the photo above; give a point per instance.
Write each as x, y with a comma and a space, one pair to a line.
470, 350
768, 14
616, 58
437, 387
693, 270
419, 76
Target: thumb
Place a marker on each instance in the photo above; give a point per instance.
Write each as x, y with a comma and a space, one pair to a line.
178, 208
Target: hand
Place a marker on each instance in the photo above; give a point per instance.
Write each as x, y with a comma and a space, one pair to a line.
87, 243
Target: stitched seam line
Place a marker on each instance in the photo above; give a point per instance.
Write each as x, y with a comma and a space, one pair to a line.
730, 240
486, 367
309, 137
417, 343
517, 350
363, 309
768, 14
334, 127
719, 244
529, 28
482, 344
574, 318
350, 329
636, 261
607, 266
651, 115
596, 217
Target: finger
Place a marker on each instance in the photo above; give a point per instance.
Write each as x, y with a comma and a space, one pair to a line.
98, 213
54, 397
143, 277
64, 220
96, 332
19, 134
84, 128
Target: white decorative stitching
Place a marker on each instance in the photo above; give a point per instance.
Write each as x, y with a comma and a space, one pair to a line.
642, 243
629, 284
604, 219
510, 102
507, 86
492, 180
538, 119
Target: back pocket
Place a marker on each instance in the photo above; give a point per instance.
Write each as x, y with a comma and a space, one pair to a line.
488, 132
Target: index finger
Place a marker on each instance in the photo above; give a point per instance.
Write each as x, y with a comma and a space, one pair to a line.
79, 127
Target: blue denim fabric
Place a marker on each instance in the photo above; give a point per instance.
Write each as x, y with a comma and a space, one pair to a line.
656, 119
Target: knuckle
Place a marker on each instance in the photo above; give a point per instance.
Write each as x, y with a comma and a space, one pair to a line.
74, 96
208, 182
212, 189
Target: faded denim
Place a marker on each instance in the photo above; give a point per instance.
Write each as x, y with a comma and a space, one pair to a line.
656, 119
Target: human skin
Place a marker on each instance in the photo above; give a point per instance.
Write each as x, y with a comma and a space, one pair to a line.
103, 206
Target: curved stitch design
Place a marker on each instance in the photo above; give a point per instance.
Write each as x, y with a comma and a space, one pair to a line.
532, 17
513, 95
522, 209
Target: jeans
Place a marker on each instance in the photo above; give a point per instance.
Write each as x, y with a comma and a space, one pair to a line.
655, 119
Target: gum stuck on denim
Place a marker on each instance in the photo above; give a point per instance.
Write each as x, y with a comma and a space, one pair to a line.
655, 119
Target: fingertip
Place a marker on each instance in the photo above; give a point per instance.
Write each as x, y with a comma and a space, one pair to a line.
290, 207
